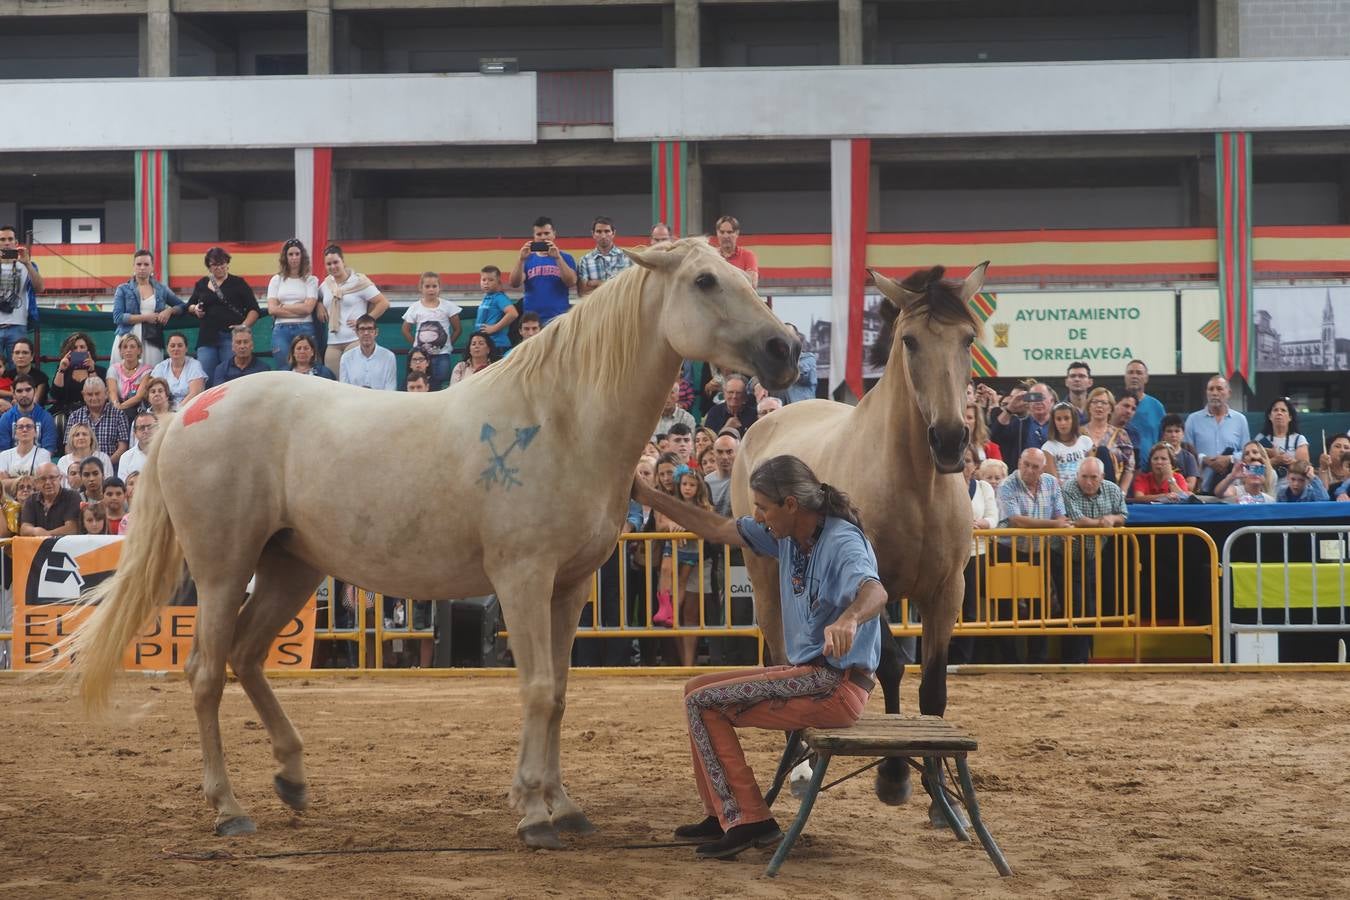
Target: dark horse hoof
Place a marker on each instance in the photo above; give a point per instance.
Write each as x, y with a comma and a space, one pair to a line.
894, 786
540, 836
294, 795
236, 826
574, 823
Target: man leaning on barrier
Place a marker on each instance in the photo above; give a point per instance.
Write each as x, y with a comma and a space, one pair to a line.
831, 600
1090, 502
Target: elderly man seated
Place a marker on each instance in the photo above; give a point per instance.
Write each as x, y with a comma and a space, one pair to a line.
1033, 499
1090, 502
105, 420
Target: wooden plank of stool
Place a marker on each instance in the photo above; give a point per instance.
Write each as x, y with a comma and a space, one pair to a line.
892, 736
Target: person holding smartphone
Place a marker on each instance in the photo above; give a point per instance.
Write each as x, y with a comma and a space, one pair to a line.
547, 273
1023, 419
20, 282
77, 364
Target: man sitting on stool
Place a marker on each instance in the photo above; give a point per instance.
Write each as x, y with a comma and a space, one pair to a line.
831, 600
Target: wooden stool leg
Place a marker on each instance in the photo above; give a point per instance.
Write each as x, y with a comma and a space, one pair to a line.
973, 807
817, 779
933, 766
785, 765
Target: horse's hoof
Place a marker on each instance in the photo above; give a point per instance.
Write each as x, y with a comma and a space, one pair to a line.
293, 794
574, 823
938, 820
894, 789
540, 836
235, 827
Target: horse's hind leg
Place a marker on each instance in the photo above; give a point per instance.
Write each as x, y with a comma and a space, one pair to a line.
525, 589
283, 585
218, 603
893, 785
565, 613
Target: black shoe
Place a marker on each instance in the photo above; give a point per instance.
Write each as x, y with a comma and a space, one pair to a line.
742, 837
707, 830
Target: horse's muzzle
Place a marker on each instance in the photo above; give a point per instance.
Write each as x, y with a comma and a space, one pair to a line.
948, 446
778, 362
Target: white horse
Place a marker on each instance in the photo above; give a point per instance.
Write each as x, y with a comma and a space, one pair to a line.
541, 447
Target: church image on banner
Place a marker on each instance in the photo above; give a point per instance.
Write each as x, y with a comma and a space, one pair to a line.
1275, 318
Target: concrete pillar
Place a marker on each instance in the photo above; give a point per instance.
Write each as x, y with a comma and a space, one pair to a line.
319, 26
851, 33
1227, 28
158, 40
694, 223
688, 39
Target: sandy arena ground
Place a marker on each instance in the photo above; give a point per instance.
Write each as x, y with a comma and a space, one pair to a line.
1095, 785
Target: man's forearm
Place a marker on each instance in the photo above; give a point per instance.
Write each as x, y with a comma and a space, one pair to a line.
870, 603
706, 524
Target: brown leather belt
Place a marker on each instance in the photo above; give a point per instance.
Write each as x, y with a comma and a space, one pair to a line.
861, 679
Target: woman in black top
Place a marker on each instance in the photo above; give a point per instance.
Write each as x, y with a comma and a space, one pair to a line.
77, 364
221, 301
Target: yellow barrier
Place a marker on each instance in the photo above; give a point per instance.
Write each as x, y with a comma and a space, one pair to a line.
1019, 578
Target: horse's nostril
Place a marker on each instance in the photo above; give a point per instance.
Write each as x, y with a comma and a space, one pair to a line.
779, 349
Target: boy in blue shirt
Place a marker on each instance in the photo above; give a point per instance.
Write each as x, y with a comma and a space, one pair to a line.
496, 312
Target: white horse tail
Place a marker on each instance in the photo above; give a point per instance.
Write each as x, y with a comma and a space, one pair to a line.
148, 573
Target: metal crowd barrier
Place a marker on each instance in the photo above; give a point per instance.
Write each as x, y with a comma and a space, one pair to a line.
1270, 597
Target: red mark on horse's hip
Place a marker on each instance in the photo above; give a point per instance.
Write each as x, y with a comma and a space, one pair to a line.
198, 410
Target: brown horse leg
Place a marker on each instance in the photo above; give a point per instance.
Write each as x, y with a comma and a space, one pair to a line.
525, 589
565, 814
217, 612
283, 585
893, 786
938, 622
768, 612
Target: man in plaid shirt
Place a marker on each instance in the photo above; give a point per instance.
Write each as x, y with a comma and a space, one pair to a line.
108, 423
602, 263
1091, 502
1032, 499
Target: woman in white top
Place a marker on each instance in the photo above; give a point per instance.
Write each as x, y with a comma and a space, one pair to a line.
983, 514
1068, 446
184, 375
25, 456
347, 295
79, 447
291, 297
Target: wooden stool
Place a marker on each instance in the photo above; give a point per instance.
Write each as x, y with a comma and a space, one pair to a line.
931, 737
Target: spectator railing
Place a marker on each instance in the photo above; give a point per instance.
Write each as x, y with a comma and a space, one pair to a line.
1304, 588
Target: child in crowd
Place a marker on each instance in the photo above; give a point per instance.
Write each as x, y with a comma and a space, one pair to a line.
1173, 434
417, 383
692, 489
114, 503
93, 520
432, 325
419, 362
993, 471
23, 489
496, 312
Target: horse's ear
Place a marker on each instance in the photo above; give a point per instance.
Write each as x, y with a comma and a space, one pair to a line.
974, 281
893, 291
654, 258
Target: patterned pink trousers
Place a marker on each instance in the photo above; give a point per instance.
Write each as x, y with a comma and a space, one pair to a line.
781, 698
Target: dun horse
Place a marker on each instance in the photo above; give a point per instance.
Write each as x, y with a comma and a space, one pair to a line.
896, 454
541, 446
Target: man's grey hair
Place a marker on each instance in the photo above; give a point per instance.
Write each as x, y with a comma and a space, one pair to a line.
93, 381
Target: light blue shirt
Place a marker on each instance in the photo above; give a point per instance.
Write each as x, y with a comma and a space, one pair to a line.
838, 565
1147, 423
1211, 437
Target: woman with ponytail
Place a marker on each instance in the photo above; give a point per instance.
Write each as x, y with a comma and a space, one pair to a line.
832, 600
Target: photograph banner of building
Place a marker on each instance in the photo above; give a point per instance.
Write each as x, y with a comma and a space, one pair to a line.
1031, 334
1298, 329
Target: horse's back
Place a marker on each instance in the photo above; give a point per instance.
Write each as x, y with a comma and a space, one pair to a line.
804, 429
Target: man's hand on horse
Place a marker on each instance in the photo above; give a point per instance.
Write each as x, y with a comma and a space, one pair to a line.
839, 636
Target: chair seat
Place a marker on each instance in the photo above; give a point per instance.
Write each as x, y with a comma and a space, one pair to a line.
891, 736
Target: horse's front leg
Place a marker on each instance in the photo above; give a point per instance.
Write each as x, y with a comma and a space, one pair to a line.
938, 622
566, 816
525, 589
893, 785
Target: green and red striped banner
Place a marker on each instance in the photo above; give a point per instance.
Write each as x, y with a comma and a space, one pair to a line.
152, 207
1238, 337
670, 169
983, 364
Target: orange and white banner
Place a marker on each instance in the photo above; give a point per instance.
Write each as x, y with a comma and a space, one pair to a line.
50, 574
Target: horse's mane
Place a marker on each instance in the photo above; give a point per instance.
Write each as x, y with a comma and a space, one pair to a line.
938, 299
598, 340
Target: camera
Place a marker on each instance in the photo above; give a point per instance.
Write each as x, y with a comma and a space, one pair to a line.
1257, 469
538, 246
9, 252
1034, 397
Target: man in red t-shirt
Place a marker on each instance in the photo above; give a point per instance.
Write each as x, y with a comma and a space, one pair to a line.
728, 236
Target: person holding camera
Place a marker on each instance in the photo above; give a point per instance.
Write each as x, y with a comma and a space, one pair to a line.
1023, 420
76, 365
221, 301
547, 273
20, 283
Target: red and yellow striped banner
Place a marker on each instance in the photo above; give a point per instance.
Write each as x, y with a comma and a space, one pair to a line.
1238, 337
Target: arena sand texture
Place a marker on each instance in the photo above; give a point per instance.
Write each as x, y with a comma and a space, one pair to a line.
1096, 785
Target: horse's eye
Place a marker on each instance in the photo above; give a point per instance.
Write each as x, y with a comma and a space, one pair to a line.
910, 344
707, 281
970, 341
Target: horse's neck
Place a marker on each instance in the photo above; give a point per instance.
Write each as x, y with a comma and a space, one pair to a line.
890, 422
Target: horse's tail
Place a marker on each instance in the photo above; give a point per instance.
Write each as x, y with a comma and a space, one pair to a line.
148, 573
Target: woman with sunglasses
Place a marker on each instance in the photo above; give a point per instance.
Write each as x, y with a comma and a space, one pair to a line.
221, 301
292, 295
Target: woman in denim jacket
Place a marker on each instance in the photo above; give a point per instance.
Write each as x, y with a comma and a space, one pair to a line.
144, 305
